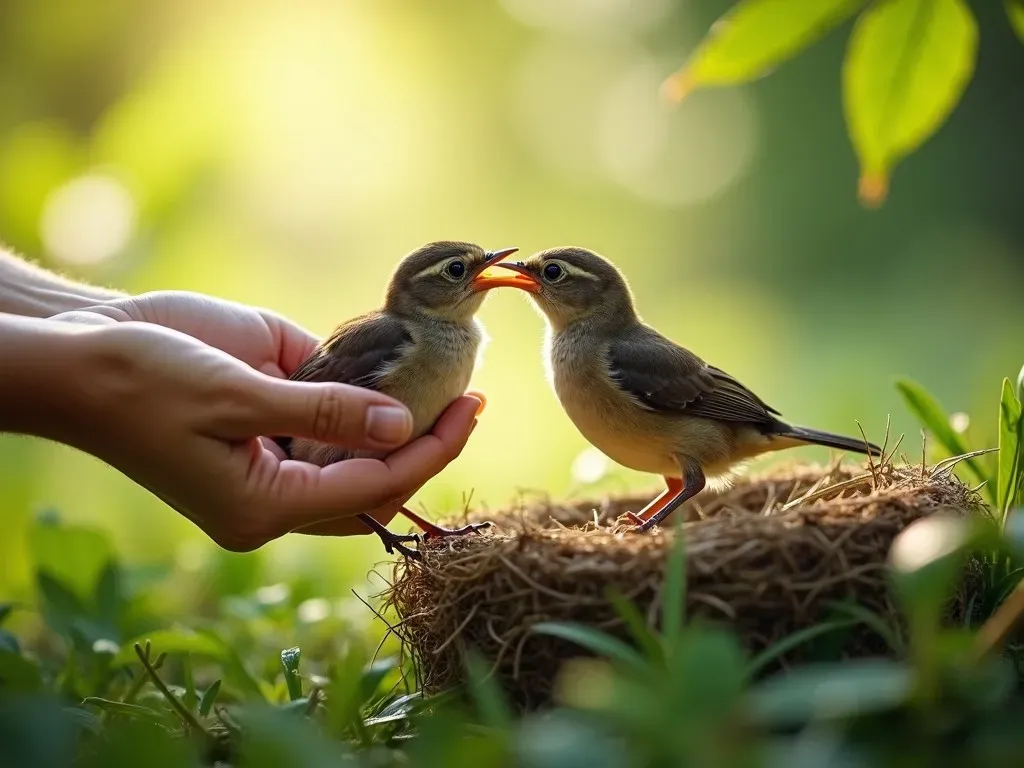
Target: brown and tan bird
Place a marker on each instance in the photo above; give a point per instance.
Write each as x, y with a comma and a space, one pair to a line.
420, 348
646, 402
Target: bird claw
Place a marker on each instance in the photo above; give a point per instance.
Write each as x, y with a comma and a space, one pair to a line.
393, 542
634, 518
437, 532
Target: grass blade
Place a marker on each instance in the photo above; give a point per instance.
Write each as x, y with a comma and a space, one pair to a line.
931, 414
788, 643
209, 699
871, 620
674, 594
490, 701
290, 661
594, 640
643, 635
1010, 447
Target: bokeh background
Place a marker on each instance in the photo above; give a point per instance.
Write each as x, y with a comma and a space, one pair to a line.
288, 153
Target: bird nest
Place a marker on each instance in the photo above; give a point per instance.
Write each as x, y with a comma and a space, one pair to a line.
767, 557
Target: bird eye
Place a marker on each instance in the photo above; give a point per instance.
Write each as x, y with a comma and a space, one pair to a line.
552, 272
456, 269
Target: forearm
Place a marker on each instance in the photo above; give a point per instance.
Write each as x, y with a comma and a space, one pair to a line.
30, 291
41, 360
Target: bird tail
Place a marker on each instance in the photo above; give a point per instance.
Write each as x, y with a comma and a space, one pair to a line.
815, 437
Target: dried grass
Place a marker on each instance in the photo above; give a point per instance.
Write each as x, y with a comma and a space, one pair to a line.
763, 557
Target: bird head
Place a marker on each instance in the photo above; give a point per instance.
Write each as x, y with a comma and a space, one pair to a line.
572, 284
441, 279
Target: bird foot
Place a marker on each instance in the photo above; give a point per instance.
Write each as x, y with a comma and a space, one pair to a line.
437, 532
642, 526
394, 542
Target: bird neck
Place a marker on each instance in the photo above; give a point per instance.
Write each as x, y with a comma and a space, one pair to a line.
426, 318
608, 320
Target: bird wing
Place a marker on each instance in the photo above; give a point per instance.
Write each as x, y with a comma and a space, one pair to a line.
359, 352
664, 377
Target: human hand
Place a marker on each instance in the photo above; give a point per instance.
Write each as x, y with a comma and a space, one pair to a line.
258, 337
186, 419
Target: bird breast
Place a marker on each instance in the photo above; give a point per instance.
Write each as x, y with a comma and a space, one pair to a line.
435, 371
605, 415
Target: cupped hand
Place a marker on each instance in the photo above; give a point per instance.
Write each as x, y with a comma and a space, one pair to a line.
185, 412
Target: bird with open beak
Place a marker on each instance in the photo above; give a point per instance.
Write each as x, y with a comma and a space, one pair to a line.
646, 402
420, 348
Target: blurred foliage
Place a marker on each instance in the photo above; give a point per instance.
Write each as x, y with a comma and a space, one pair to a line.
112, 677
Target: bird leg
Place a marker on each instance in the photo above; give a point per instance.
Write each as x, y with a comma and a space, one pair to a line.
392, 541
432, 531
674, 486
678, 492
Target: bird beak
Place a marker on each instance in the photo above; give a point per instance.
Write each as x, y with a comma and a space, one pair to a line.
523, 280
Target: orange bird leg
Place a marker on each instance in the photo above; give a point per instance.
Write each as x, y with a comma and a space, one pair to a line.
432, 531
677, 494
674, 486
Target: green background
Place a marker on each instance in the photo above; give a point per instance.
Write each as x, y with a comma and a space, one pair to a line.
288, 154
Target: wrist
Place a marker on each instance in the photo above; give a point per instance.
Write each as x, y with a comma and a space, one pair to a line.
43, 366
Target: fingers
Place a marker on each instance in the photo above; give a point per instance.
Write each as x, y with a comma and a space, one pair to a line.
326, 412
307, 495
294, 343
349, 526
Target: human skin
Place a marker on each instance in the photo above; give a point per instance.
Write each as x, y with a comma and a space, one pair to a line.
180, 391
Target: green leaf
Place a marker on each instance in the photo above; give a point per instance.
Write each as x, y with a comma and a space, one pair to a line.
83, 720
73, 555
171, 641
18, 674
597, 642
290, 661
872, 620
209, 698
128, 710
1011, 446
273, 738
794, 640
1015, 10
373, 676
487, 694
822, 692
642, 635
189, 698
754, 37
907, 64
673, 598
9, 642
399, 709
5, 611
934, 418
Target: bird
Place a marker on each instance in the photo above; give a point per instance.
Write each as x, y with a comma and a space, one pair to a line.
420, 348
646, 402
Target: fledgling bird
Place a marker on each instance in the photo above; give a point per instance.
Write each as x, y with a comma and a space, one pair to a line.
420, 348
646, 402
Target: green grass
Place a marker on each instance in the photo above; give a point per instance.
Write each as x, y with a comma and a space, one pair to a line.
99, 671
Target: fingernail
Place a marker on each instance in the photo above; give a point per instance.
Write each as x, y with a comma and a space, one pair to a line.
483, 402
387, 424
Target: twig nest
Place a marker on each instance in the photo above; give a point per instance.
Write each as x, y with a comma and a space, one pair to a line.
765, 557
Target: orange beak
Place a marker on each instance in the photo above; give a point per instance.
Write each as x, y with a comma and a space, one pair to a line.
523, 280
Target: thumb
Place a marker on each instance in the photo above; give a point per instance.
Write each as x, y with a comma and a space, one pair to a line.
339, 414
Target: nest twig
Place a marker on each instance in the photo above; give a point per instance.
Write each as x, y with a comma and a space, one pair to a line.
764, 557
